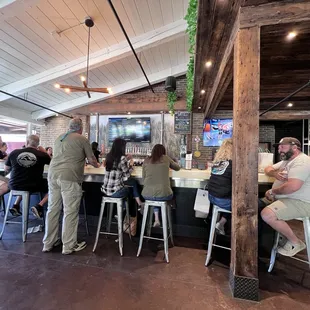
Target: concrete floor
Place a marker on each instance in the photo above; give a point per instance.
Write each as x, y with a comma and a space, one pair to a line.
30, 279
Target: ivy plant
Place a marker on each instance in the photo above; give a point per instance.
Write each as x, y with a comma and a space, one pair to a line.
191, 18
171, 99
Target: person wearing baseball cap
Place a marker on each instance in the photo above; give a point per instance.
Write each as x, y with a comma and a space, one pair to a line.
290, 193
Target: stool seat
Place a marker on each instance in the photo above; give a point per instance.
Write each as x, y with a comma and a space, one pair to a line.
274, 251
166, 215
119, 203
215, 214
25, 215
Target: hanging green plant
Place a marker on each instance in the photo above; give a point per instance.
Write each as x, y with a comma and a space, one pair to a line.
171, 100
191, 18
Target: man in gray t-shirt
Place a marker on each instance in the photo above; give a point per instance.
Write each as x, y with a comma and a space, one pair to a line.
290, 193
65, 177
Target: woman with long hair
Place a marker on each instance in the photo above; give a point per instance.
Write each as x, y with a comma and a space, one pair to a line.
219, 185
117, 173
155, 173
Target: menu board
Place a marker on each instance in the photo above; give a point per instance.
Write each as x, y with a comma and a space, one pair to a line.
182, 122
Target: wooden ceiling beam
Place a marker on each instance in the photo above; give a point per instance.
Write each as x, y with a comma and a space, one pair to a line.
226, 79
285, 115
217, 27
275, 13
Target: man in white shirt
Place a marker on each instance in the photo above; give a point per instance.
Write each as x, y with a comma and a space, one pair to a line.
290, 193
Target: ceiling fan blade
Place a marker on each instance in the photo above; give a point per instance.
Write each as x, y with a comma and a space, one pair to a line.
89, 89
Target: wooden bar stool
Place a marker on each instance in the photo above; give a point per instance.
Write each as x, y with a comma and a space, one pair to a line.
274, 251
166, 215
25, 207
215, 214
119, 203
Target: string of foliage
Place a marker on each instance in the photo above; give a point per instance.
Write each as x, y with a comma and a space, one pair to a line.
171, 99
191, 18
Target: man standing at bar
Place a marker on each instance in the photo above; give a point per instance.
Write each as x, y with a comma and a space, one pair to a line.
290, 193
65, 177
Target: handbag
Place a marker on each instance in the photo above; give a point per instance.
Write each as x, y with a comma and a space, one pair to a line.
133, 225
202, 203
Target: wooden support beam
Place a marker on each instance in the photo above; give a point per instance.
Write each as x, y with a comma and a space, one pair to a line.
275, 13
244, 244
217, 26
285, 115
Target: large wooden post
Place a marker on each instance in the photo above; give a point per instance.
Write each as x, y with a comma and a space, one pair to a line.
243, 268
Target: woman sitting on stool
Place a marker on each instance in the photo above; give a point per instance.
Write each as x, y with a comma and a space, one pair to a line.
155, 173
117, 173
219, 185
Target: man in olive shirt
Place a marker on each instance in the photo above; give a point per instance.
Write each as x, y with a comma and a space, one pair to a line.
65, 177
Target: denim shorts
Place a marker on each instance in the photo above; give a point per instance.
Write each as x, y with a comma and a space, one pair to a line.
224, 203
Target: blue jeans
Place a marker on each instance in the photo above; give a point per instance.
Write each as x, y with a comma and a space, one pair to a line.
224, 203
166, 198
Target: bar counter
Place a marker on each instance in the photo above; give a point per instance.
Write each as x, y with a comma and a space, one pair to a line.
193, 178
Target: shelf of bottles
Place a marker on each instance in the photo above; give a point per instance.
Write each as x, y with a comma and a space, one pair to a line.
136, 151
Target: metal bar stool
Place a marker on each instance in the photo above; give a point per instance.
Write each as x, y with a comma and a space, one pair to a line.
119, 204
25, 206
166, 215
2, 202
215, 214
274, 251
85, 221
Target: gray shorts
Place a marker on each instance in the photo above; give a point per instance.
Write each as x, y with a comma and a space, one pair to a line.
288, 209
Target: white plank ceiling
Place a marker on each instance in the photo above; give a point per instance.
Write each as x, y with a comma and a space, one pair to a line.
45, 41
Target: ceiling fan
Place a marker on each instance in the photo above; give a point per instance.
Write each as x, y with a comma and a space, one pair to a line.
72, 88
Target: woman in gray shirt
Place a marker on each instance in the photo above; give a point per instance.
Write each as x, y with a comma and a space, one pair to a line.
156, 180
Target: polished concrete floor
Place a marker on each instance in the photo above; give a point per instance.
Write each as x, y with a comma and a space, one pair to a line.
31, 280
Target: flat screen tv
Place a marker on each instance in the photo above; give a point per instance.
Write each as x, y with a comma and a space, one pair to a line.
216, 130
131, 129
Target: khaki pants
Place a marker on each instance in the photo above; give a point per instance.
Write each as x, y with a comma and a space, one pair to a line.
67, 194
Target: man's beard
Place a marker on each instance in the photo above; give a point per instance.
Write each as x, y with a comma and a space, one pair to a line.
286, 155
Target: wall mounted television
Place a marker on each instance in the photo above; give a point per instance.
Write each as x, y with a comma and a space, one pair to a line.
216, 130
132, 129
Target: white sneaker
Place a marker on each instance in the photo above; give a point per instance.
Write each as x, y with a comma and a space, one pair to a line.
156, 224
282, 241
78, 247
290, 249
220, 228
56, 244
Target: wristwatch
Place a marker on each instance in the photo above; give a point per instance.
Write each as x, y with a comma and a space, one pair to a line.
270, 192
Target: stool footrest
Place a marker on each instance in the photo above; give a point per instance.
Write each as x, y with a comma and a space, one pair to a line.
222, 247
11, 222
159, 239
107, 233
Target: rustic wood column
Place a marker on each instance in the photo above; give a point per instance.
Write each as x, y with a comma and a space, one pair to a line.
243, 268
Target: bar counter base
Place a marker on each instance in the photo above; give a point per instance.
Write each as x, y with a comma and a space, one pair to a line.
244, 287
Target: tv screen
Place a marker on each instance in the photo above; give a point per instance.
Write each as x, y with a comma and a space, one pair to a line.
130, 129
216, 130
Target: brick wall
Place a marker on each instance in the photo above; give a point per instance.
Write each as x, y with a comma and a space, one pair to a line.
55, 126
266, 134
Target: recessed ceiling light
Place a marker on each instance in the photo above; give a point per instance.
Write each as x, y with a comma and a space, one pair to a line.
199, 108
110, 90
57, 86
291, 35
128, 113
83, 79
67, 90
208, 64
290, 104
202, 91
